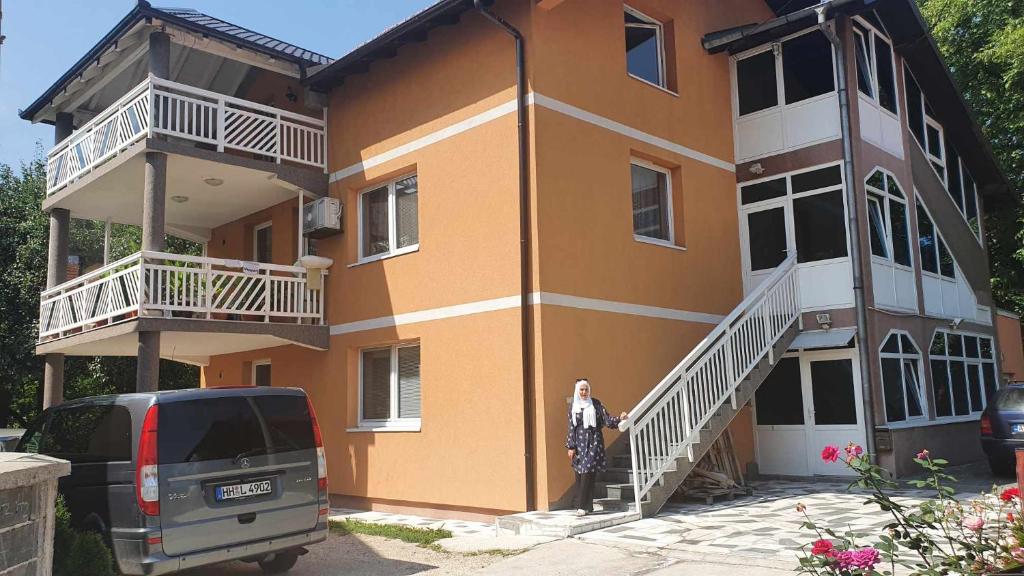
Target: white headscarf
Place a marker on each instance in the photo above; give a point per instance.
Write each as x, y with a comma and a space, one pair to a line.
584, 407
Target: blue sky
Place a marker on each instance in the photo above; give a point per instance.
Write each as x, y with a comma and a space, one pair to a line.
45, 37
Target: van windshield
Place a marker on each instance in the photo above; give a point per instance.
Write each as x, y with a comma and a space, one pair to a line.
233, 427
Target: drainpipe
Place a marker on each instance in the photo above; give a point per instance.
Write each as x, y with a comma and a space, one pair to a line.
524, 249
853, 225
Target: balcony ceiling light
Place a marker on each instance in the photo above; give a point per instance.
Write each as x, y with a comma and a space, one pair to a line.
179, 199
213, 181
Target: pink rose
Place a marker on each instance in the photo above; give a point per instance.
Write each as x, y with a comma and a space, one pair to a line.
830, 453
922, 455
974, 523
864, 559
1017, 553
854, 450
822, 547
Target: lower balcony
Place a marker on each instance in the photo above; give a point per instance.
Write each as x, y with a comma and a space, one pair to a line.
202, 307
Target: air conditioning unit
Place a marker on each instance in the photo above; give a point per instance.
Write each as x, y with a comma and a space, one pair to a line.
321, 218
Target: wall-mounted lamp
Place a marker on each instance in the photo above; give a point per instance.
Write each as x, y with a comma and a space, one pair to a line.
824, 321
291, 96
756, 168
955, 323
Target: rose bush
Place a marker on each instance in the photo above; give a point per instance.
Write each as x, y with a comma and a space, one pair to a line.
942, 535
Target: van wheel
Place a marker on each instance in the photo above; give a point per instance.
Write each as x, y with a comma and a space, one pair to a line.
279, 563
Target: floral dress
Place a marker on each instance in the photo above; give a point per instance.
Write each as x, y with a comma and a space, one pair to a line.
589, 442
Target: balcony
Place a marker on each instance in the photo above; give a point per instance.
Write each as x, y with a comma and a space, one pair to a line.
238, 306
158, 106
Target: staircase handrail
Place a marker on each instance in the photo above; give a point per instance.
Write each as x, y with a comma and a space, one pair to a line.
667, 422
698, 351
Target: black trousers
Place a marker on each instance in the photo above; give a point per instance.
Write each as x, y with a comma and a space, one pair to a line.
584, 499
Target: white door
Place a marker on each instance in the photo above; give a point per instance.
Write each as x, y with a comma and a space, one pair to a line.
765, 240
808, 401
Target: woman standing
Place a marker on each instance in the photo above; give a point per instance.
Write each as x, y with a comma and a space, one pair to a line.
586, 443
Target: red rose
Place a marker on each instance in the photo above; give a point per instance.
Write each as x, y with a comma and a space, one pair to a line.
1010, 494
830, 453
822, 548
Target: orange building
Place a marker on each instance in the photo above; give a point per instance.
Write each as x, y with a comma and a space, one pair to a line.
698, 216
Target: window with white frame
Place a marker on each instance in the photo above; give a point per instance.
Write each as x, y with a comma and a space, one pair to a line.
389, 218
887, 219
389, 385
652, 202
935, 256
814, 198
645, 47
901, 378
876, 71
922, 123
799, 68
963, 373
961, 188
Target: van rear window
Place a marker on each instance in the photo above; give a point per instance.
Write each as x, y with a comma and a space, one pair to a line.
87, 434
233, 427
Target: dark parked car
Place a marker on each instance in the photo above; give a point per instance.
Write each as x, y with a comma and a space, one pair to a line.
1002, 428
185, 478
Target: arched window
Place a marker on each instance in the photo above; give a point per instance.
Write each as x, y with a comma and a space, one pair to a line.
887, 219
901, 379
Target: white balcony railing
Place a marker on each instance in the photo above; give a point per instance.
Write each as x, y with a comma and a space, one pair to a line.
162, 284
159, 106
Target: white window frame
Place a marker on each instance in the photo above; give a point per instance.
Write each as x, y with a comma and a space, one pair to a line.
659, 34
903, 357
780, 77
969, 364
255, 239
391, 424
261, 362
872, 55
392, 221
887, 198
671, 242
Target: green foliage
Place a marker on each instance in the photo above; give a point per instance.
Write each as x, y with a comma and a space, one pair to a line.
24, 238
75, 552
983, 43
421, 536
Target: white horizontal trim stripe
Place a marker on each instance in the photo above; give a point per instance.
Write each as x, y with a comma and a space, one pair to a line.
426, 315
553, 299
532, 98
580, 114
508, 302
424, 141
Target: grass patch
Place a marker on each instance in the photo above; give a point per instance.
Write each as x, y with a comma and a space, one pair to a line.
422, 536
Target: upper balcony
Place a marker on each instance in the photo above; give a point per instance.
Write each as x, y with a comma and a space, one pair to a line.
211, 120
235, 305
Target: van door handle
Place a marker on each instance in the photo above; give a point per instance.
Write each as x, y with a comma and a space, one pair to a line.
247, 518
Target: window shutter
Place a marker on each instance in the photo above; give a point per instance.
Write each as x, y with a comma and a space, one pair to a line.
409, 382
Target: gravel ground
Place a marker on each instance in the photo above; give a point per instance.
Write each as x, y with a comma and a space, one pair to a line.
361, 555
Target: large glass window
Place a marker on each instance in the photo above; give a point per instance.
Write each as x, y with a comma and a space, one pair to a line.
963, 373
819, 226
935, 257
756, 82
887, 218
875, 69
807, 67
645, 47
390, 385
795, 70
389, 218
901, 378
814, 201
652, 202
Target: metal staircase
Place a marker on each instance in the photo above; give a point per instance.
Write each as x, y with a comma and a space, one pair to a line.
676, 423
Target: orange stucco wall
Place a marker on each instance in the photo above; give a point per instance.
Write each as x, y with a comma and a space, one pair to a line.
1011, 347
469, 452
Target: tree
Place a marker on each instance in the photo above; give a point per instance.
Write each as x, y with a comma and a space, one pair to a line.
24, 233
983, 43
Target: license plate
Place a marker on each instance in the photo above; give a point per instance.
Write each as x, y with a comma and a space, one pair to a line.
244, 490
1017, 428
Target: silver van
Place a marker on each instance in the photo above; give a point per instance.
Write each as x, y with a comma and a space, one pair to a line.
179, 479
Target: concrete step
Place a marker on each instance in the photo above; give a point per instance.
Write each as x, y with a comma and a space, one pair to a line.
565, 523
